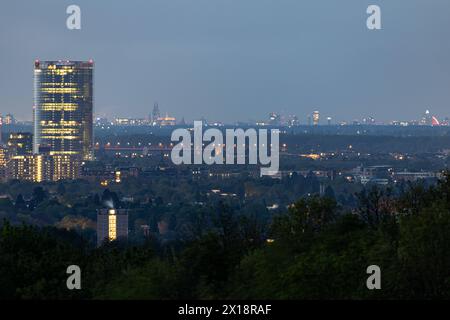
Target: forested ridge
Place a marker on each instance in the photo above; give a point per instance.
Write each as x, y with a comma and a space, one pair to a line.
314, 250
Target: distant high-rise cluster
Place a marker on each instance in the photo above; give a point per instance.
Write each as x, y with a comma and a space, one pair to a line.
427, 119
278, 119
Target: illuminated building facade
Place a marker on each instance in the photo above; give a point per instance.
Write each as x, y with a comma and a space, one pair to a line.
316, 118
112, 224
62, 167
117, 177
3, 159
63, 108
3, 155
20, 143
166, 121
27, 167
43, 167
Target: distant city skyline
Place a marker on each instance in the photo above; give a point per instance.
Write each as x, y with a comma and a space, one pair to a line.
273, 119
237, 61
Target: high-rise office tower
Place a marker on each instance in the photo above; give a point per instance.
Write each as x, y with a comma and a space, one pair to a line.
63, 108
112, 224
316, 118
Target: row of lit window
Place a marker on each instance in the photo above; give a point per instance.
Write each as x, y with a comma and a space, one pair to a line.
59, 90
60, 137
62, 123
56, 84
59, 108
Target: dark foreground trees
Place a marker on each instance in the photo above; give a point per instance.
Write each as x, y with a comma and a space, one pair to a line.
314, 251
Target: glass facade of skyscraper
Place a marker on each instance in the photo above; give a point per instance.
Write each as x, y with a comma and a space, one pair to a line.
63, 108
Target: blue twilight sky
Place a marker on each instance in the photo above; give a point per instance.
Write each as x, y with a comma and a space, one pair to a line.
237, 59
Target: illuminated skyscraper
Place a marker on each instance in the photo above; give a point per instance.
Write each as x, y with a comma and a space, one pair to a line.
63, 103
316, 118
112, 224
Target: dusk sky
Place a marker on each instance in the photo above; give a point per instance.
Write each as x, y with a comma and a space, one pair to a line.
234, 60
